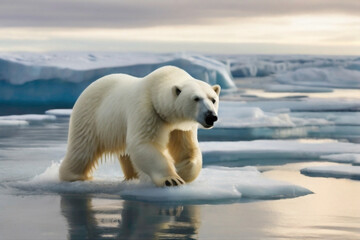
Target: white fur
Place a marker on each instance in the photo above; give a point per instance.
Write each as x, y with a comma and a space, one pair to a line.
145, 121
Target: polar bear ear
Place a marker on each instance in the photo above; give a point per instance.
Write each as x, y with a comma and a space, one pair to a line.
217, 89
176, 91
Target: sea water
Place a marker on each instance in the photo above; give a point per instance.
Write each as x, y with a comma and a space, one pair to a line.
277, 165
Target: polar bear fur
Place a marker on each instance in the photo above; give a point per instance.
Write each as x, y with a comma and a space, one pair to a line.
150, 123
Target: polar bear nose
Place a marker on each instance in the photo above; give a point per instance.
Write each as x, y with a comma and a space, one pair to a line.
210, 118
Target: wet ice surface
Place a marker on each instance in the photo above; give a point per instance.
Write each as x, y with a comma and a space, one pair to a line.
282, 162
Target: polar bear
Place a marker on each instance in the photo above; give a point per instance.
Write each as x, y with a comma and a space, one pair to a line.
150, 123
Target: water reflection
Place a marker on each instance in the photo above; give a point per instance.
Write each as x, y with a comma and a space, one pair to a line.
94, 218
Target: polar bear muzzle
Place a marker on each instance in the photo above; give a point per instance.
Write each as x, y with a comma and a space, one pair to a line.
210, 118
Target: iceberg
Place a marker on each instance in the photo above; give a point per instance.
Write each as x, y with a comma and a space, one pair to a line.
214, 185
61, 77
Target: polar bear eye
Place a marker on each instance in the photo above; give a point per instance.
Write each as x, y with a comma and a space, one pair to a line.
213, 100
196, 99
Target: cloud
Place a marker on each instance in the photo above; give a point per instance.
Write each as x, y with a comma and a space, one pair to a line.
148, 13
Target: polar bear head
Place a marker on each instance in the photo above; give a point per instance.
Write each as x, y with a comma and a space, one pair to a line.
197, 101
178, 98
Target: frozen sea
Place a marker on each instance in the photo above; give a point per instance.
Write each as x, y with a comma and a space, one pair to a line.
283, 161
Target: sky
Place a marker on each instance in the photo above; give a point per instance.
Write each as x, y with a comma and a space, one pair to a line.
208, 26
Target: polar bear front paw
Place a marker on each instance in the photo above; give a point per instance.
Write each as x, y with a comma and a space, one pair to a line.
173, 181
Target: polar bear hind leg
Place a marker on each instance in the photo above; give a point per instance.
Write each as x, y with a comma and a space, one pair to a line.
78, 167
184, 149
82, 156
127, 167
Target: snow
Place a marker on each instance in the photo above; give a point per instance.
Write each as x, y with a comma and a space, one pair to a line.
59, 112
215, 184
353, 158
336, 171
28, 117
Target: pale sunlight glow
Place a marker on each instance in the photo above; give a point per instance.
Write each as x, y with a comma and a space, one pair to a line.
305, 30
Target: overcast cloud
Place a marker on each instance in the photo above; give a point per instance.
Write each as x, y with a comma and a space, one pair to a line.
147, 13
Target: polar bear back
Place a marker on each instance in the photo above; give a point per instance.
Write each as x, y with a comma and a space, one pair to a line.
112, 114
103, 111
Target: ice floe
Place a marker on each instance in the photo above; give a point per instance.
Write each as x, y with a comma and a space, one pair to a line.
337, 77
5, 122
235, 115
353, 158
286, 88
301, 146
214, 185
265, 65
23, 120
272, 151
59, 112
28, 117
338, 118
306, 104
335, 171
